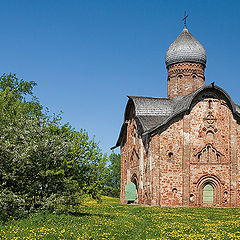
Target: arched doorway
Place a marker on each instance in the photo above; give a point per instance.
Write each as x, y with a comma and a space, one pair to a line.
130, 192
208, 195
209, 188
134, 180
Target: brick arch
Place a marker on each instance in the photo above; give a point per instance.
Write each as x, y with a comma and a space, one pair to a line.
215, 182
216, 92
130, 110
134, 158
134, 179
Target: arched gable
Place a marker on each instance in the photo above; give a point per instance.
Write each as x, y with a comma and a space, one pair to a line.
215, 90
186, 103
129, 110
130, 113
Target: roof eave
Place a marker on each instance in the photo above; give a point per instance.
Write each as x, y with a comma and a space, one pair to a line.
188, 105
121, 135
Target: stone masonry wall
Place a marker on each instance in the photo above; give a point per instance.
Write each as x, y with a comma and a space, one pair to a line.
238, 157
194, 150
199, 149
184, 78
167, 157
132, 161
210, 158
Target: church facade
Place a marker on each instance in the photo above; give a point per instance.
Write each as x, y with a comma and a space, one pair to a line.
183, 150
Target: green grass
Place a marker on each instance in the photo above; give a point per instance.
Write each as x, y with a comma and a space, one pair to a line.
110, 220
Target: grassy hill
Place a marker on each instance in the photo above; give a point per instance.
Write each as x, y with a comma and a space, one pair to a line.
110, 220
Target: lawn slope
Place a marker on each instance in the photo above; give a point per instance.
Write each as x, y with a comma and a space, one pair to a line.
110, 220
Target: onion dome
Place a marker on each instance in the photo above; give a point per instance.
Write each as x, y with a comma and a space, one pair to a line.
185, 48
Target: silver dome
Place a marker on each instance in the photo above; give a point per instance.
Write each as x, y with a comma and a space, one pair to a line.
185, 48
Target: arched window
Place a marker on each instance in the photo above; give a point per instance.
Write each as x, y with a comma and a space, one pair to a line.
210, 135
180, 76
170, 155
191, 197
134, 180
210, 104
174, 190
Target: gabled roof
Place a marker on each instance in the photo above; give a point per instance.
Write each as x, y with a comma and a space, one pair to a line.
153, 113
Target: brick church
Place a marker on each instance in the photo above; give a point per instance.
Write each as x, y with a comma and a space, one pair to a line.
183, 150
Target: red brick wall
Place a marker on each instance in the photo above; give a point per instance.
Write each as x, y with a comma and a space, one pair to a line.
238, 157
187, 175
185, 78
132, 161
202, 147
167, 155
212, 154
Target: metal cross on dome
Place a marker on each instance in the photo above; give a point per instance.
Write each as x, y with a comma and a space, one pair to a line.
185, 20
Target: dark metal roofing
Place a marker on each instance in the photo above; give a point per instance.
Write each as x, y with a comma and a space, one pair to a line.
237, 108
149, 121
152, 106
185, 48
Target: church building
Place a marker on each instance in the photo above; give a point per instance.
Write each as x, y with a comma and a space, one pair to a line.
183, 150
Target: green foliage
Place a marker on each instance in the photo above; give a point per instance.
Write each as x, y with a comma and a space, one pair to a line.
11, 205
113, 177
43, 165
86, 169
19, 88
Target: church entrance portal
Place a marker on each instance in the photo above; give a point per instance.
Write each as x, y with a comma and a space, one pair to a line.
208, 194
130, 192
208, 191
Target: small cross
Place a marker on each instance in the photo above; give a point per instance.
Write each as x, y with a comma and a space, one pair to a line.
210, 118
185, 20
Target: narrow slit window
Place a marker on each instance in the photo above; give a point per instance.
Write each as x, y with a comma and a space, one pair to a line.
210, 104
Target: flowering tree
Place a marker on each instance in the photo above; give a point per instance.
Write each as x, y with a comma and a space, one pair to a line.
113, 176
43, 165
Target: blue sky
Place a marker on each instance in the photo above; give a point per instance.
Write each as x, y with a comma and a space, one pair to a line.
88, 55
